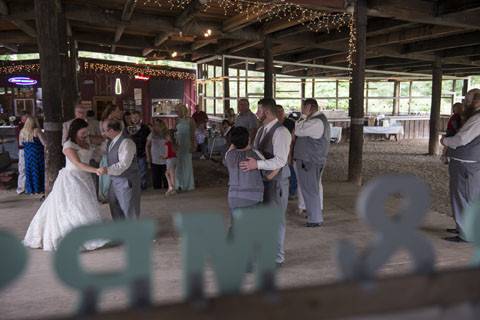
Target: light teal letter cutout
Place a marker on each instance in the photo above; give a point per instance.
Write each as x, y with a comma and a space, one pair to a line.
472, 229
391, 233
254, 238
136, 235
14, 258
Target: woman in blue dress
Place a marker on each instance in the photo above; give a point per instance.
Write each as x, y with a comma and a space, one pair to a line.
33, 141
185, 145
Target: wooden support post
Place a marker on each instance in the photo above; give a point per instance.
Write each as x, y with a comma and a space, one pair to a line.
268, 62
50, 29
410, 96
366, 97
226, 86
336, 94
313, 88
200, 91
465, 87
433, 144
302, 88
357, 95
215, 91
396, 100
246, 79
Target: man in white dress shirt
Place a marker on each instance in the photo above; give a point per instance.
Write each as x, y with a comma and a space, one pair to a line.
124, 193
312, 142
273, 141
94, 133
464, 166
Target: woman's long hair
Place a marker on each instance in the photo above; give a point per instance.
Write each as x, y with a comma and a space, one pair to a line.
28, 130
182, 111
75, 126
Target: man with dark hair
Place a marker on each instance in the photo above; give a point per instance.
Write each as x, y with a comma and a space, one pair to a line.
200, 117
124, 193
139, 133
312, 142
273, 141
464, 165
290, 125
246, 118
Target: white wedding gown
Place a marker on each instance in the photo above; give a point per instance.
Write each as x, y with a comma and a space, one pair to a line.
71, 203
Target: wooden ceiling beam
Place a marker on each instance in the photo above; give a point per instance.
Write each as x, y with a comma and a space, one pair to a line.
127, 13
460, 52
189, 13
450, 42
20, 24
244, 19
420, 11
11, 48
15, 37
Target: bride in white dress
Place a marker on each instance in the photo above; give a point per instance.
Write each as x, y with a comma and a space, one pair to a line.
72, 201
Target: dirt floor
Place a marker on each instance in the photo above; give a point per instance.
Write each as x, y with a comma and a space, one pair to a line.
310, 255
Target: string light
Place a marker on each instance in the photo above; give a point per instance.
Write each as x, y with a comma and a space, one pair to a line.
20, 68
147, 71
314, 20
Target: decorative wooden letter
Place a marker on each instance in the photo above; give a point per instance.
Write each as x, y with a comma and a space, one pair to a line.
253, 238
13, 258
137, 237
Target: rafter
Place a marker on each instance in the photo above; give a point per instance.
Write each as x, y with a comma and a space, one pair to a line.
465, 40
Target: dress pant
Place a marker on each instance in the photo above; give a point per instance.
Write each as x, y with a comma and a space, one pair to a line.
276, 195
143, 168
124, 198
309, 178
301, 201
464, 189
158, 176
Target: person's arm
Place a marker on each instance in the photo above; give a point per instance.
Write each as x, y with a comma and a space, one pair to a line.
469, 131
126, 153
309, 128
281, 147
193, 127
72, 155
41, 136
148, 150
65, 128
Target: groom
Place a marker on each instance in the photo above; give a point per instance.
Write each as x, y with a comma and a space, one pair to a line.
124, 193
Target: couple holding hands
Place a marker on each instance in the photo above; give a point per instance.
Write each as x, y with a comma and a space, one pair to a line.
73, 200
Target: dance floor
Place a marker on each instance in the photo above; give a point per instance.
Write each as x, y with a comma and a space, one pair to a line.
310, 257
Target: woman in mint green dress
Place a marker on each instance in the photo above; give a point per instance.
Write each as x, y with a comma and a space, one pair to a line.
185, 145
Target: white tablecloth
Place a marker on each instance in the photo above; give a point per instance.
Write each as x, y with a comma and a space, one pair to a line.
335, 134
383, 130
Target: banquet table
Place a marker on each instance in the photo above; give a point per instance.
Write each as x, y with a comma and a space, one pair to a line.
388, 131
335, 134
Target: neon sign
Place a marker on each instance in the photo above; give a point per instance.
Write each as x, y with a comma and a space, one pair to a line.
22, 81
141, 77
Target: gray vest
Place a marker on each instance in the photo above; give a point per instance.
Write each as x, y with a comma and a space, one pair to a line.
313, 150
112, 158
265, 146
470, 151
243, 185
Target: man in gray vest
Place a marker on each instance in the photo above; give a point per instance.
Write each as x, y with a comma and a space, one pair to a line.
464, 166
124, 193
312, 141
273, 141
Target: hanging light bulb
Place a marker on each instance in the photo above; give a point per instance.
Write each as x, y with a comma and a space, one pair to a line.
118, 86
174, 54
209, 32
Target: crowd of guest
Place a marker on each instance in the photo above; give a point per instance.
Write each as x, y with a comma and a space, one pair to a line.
164, 156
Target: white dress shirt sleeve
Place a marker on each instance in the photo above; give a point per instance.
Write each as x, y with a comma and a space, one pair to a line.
469, 131
309, 128
281, 148
126, 153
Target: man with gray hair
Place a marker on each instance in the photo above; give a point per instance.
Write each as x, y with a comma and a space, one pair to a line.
464, 166
93, 127
312, 142
246, 118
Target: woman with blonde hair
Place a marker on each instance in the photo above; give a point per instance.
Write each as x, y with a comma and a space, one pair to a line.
33, 141
185, 146
155, 150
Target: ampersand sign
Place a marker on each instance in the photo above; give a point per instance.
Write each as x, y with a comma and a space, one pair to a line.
392, 233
